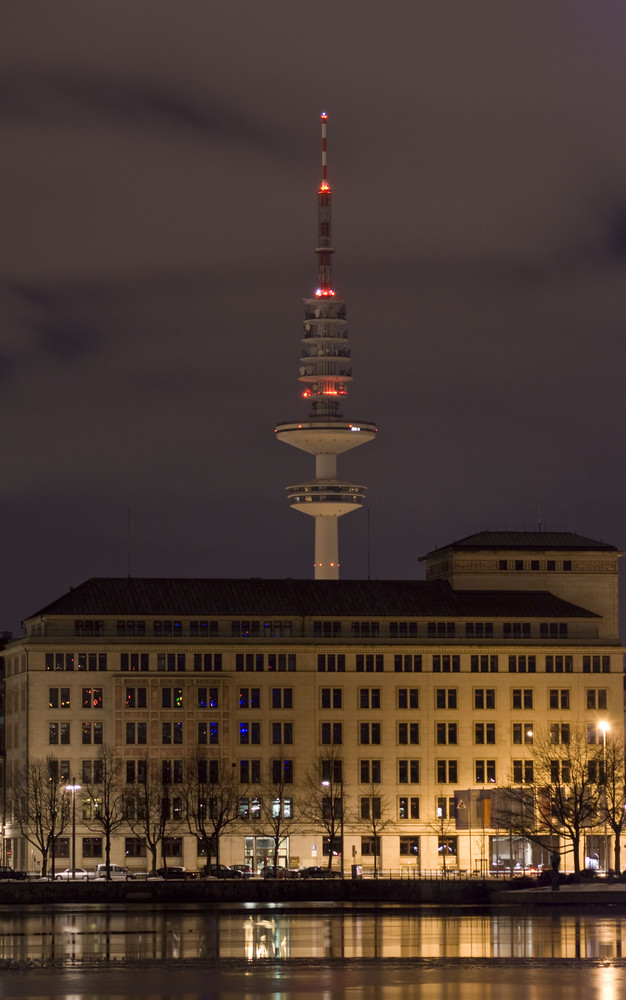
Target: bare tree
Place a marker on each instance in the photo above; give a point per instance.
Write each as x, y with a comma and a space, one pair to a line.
443, 825
324, 800
107, 793
375, 817
613, 798
40, 805
212, 801
565, 792
150, 812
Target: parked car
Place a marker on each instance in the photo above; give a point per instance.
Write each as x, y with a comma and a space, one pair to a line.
319, 871
112, 873
245, 870
220, 871
12, 873
279, 872
175, 872
73, 873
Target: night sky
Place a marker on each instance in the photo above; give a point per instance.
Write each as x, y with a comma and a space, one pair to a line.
160, 163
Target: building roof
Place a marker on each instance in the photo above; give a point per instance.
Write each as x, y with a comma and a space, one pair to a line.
552, 541
204, 598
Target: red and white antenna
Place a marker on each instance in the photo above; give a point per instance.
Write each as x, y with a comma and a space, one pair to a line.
324, 184
324, 225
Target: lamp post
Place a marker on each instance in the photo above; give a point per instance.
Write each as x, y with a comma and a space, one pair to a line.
604, 726
73, 788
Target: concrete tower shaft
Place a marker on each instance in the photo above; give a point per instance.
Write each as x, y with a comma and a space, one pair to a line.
325, 370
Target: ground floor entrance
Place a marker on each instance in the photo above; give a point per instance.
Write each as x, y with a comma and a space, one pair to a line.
259, 853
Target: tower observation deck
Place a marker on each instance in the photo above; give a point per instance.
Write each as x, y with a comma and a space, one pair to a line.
325, 370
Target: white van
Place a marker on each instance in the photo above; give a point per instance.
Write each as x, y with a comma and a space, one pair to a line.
116, 873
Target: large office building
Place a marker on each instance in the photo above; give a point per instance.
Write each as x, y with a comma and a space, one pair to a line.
425, 695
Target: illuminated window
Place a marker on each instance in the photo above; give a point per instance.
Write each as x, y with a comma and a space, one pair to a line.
409, 846
207, 697
249, 732
92, 697
409, 807
523, 732
249, 697
208, 732
485, 771
171, 697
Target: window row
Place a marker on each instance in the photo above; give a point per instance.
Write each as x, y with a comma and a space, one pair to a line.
172, 628
59, 733
172, 733
134, 847
326, 662
331, 698
60, 697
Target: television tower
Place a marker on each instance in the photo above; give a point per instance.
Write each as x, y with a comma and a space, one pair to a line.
325, 371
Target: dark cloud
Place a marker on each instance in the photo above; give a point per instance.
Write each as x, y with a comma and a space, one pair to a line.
160, 164
51, 98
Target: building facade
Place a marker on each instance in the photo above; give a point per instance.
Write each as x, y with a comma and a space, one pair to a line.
426, 696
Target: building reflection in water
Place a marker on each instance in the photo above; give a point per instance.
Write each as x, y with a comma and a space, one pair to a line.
70, 935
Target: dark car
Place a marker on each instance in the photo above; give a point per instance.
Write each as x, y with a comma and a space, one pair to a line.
221, 871
279, 872
317, 871
175, 871
245, 870
11, 873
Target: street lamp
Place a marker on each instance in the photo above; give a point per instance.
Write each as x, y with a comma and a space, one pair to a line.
604, 727
73, 788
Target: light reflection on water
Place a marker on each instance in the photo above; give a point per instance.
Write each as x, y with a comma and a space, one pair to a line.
74, 935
